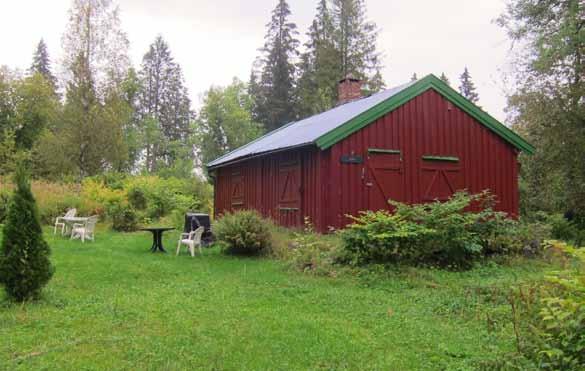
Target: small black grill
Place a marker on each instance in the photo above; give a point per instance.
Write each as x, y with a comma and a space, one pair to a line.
196, 220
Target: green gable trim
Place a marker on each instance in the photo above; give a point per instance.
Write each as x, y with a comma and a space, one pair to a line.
378, 150
441, 158
429, 82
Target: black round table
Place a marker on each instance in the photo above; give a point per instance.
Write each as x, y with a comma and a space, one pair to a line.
157, 233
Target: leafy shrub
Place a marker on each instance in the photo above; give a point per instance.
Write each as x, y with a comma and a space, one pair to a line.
54, 199
137, 198
159, 197
313, 253
441, 233
380, 236
124, 218
24, 255
563, 229
550, 323
243, 233
119, 197
4, 201
518, 237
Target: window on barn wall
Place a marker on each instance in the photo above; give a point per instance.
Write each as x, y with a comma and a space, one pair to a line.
440, 177
237, 190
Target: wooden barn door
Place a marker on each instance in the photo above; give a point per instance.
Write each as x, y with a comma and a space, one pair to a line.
386, 178
440, 177
289, 191
237, 190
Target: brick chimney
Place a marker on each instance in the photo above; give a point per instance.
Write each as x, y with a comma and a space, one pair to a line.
349, 89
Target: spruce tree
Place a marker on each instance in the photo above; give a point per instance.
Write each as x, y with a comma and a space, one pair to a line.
164, 98
320, 69
467, 88
42, 64
356, 38
24, 257
276, 103
445, 79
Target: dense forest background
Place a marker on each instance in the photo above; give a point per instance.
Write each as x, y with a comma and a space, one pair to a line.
93, 113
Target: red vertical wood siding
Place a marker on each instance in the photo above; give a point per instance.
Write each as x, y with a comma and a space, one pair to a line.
428, 125
281, 186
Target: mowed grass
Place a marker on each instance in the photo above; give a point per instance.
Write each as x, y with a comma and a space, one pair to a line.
114, 305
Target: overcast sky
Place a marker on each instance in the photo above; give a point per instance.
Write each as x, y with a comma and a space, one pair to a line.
216, 40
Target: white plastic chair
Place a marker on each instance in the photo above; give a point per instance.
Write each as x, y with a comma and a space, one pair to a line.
60, 222
191, 239
85, 231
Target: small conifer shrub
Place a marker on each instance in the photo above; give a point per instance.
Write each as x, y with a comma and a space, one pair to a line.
24, 255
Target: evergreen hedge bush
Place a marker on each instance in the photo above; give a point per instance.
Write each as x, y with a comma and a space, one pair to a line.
24, 255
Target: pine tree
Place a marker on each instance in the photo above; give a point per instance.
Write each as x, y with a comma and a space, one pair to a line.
356, 40
276, 104
445, 79
414, 77
467, 88
24, 257
42, 64
163, 98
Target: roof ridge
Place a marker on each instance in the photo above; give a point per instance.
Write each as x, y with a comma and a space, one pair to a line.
343, 120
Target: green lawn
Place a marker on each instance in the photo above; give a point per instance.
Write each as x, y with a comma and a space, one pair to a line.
114, 305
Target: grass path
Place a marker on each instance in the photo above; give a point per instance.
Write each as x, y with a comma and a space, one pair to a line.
114, 305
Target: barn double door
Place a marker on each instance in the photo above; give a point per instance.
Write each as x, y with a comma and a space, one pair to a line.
385, 178
438, 178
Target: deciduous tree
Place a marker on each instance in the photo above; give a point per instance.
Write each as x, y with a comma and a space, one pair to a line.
94, 33
548, 105
225, 121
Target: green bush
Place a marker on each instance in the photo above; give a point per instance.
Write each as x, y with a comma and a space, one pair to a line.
518, 238
4, 201
243, 233
24, 255
549, 321
381, 237
565, 230
137, 198
313, 253
439, 233
124, 218
158, 197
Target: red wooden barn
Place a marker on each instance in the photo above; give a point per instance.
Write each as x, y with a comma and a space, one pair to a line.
414, 143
